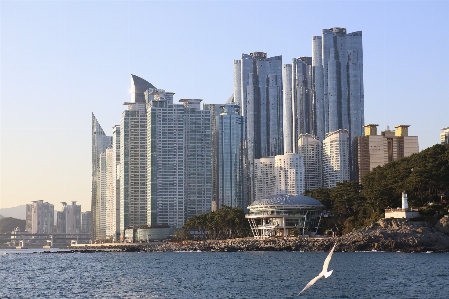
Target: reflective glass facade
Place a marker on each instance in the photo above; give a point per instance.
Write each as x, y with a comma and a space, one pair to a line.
231, 155
258, 91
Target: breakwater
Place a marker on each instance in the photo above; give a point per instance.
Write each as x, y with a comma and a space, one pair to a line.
389, 235
384, 235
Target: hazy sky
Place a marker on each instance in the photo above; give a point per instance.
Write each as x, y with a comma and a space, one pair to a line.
63, 60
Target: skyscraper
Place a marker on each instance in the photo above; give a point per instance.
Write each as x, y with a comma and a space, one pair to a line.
102, 197
258, 91
336, 158
198, 160
86, 222
310, 148
337, 71
99, 144
282, 174
68, 220
444, 135
215, 111
298, 102
290, 174
133, 166
114, 206
179, 160
233, 190
133, 157
40, 217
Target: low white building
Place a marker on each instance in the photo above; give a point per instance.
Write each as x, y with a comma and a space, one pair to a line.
279, 215
404, 212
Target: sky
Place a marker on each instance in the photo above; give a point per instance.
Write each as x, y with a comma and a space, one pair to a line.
61, 61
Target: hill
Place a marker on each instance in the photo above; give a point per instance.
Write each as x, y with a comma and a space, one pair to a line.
18, 212
8, 224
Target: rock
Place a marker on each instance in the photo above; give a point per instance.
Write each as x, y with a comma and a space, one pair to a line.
443, 225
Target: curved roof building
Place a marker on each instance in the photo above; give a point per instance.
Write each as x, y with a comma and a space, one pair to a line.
283, 214
138, 87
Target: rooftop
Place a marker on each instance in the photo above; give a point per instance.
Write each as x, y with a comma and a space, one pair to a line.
286, 200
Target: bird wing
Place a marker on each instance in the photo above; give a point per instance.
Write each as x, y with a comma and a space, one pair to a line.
311, 283
328, 259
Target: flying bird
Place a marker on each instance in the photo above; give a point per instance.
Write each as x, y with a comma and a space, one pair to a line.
324, 273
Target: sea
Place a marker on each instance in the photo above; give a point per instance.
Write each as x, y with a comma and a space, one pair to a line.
31, 273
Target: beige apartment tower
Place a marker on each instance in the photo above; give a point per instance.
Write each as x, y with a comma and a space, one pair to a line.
374, 150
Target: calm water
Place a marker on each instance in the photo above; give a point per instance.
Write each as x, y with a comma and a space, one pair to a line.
222, 275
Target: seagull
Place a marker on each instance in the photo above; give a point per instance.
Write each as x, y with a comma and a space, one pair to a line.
324, 273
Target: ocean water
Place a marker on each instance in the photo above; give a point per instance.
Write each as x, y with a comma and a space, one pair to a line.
222, 275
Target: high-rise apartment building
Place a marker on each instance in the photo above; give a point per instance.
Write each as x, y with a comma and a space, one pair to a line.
110, 200
290, 174
310, 148
258, 91
232, 182
40, 217
179, 160
444, 136
298, 106
335, 158
68, 220
113, 204
374, 150
86, 222
265, 177
282, 174
133, 157
215, 111
337, 72
198, 160
102, 196
100, 142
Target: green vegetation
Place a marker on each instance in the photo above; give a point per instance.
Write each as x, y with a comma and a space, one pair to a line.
8, 224
225, 223
424, 176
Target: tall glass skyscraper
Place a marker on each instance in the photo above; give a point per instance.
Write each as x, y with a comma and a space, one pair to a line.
231, 158
100, 142
258, 91
298, 102
324, 93
337, 63
215, 111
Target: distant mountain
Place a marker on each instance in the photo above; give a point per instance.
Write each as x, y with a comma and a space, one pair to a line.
16, 212
1, 217
8, 224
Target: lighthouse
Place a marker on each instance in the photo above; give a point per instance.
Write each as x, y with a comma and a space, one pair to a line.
405, 212
404, 200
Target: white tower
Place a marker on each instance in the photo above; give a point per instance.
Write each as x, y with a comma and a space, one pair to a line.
404, 200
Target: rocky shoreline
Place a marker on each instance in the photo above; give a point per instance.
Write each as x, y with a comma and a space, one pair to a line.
390, 235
